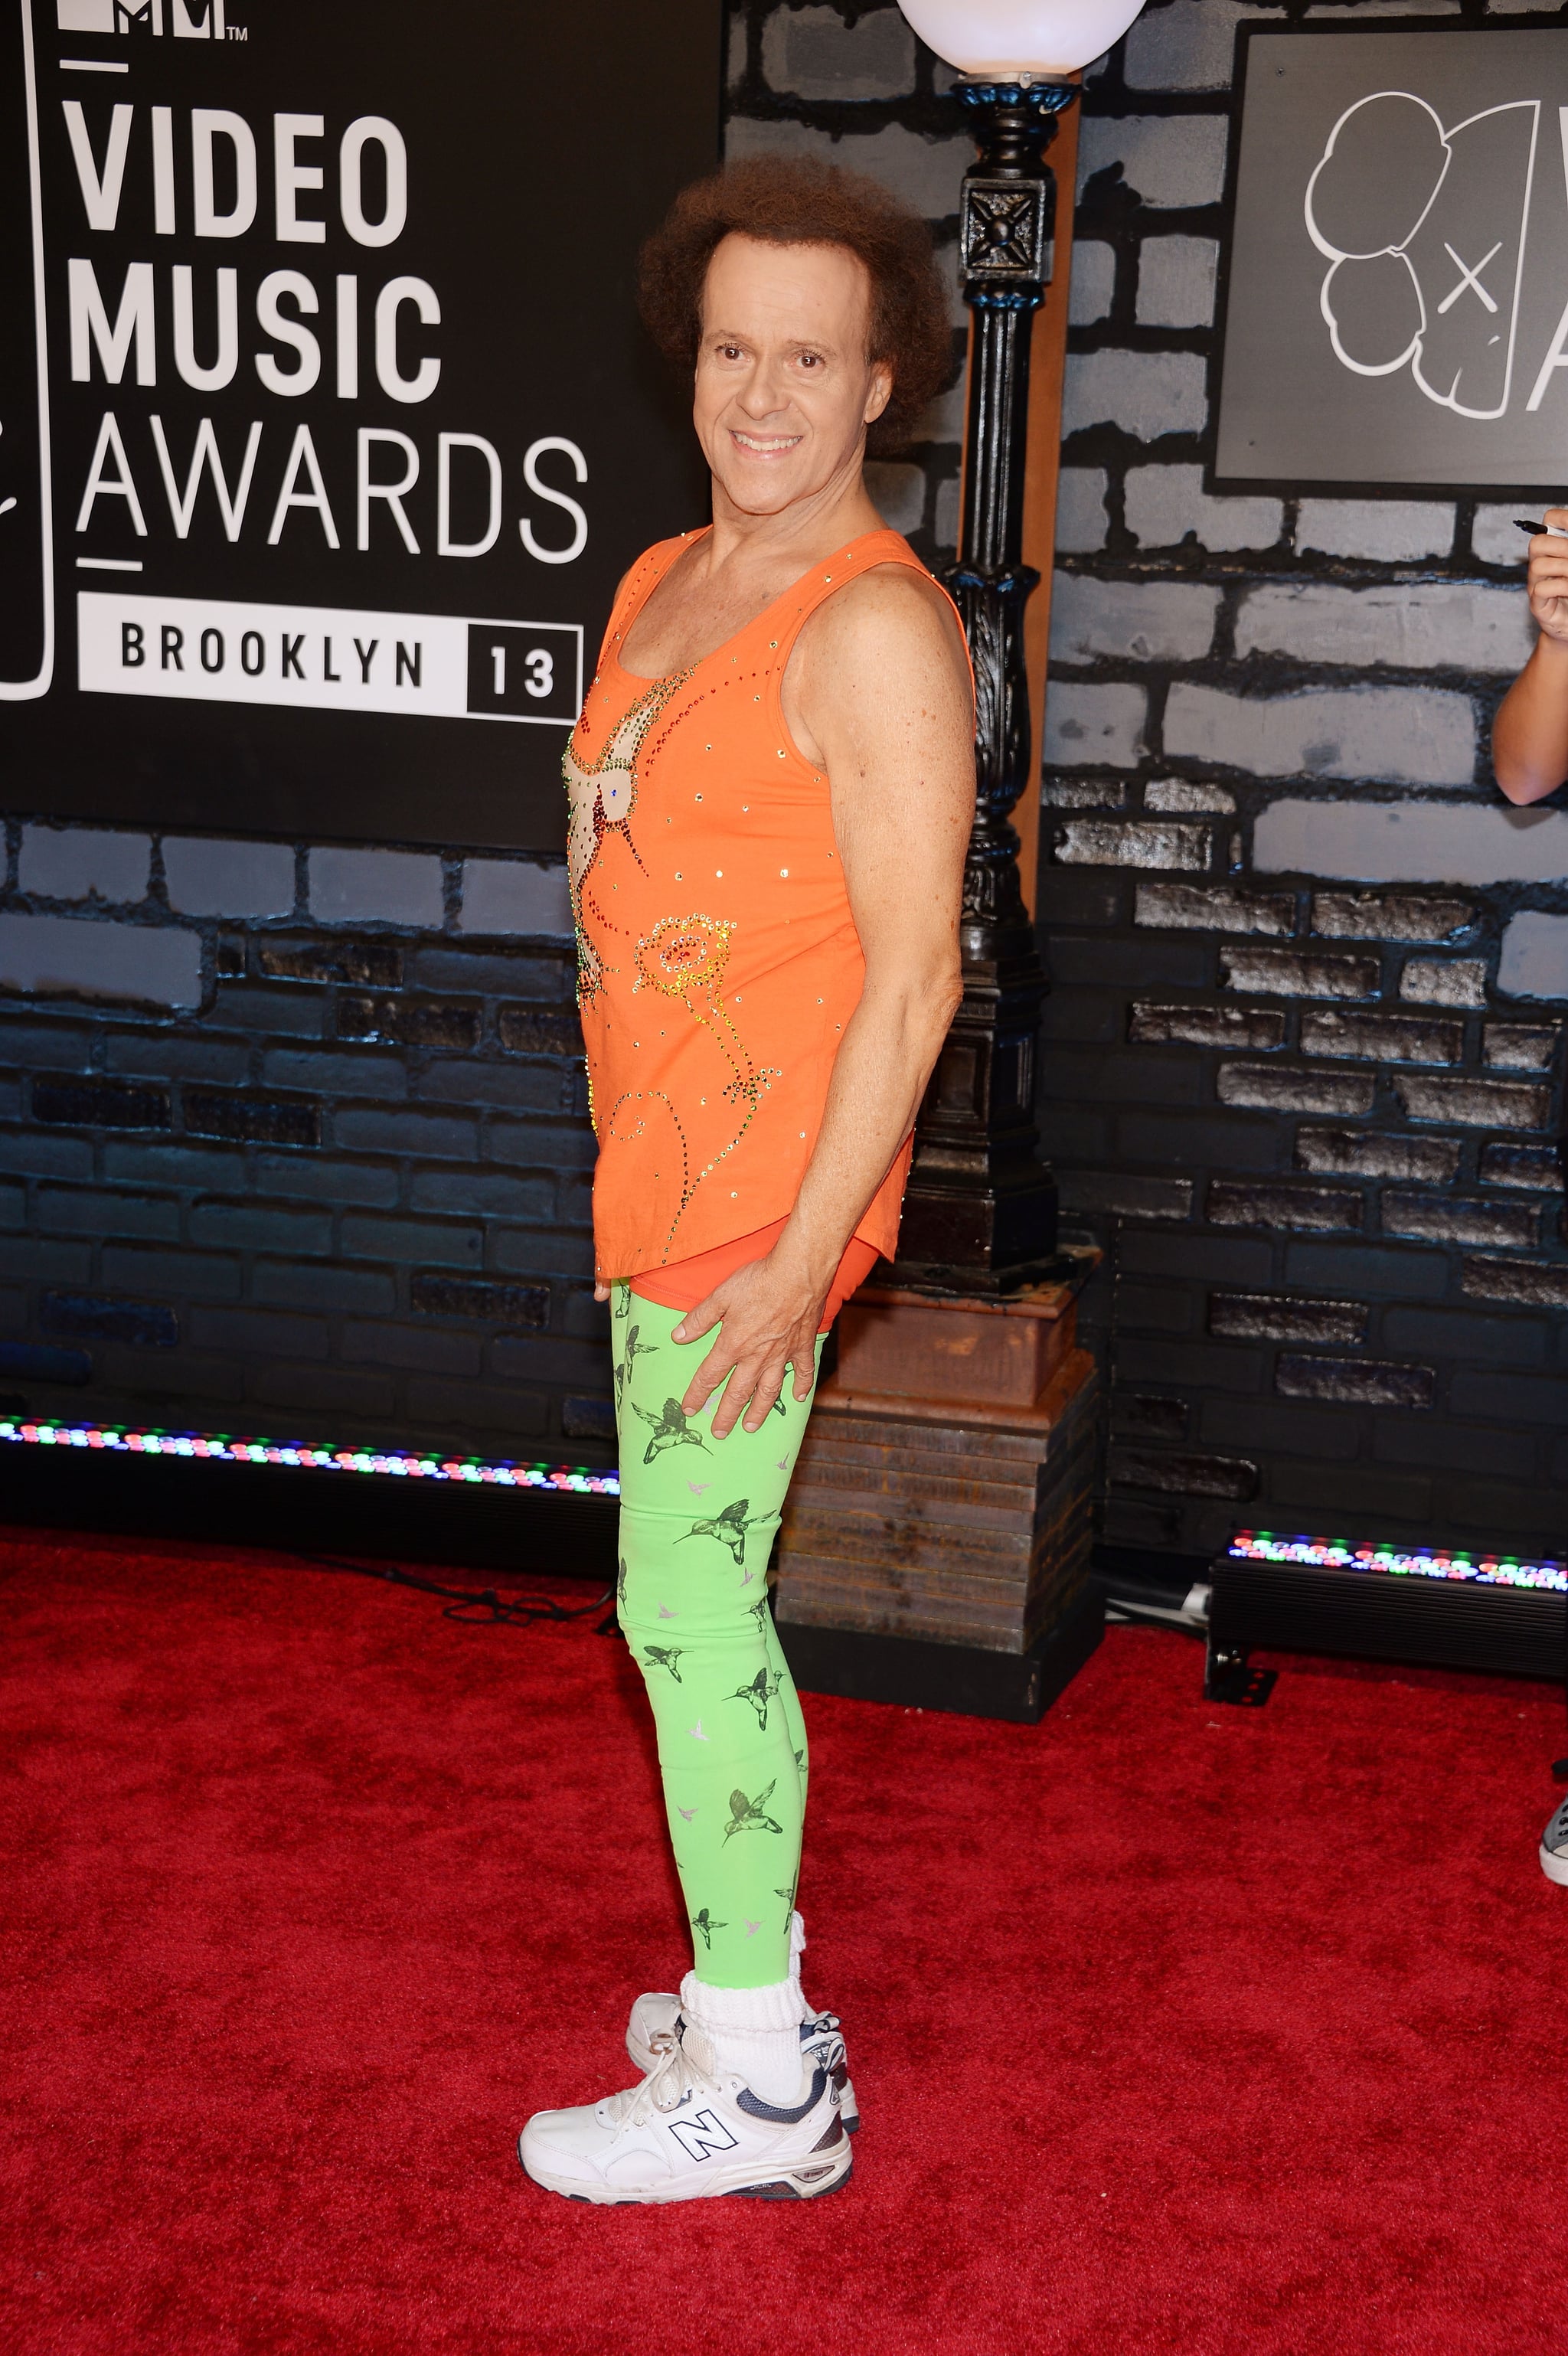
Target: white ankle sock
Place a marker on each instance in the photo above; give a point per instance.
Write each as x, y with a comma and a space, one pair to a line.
754, 2031
797, 1949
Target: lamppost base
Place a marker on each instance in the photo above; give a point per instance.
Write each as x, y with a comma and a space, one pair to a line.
949, 1280
972, 1235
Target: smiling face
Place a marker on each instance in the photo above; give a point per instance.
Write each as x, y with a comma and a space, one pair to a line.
785, 390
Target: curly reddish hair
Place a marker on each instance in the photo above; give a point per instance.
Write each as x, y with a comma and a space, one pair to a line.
794, 201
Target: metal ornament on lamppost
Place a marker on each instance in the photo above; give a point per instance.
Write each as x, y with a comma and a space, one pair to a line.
980, 1212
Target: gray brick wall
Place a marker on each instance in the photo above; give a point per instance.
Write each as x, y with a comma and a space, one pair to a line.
1348, 1319
295, 1135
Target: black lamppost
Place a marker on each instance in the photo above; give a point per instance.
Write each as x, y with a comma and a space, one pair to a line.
980, 1213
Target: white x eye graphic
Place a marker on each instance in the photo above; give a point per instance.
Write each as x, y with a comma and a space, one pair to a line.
1468, 277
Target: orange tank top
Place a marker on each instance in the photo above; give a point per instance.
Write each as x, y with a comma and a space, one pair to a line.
718, 960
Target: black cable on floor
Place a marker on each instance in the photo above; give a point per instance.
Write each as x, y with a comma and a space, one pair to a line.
474, 1606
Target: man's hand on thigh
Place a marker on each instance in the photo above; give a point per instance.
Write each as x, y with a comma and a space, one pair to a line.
768, 1318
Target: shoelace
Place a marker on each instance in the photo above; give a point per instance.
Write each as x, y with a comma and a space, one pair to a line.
674, 2076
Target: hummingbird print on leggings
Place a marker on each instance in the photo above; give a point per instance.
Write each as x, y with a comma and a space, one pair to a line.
707, 1925
623, 1302
759, 1693
621, 1582
670, 1429
664, 1656
635, 1350
752, 1815
728, 1528
759, 1611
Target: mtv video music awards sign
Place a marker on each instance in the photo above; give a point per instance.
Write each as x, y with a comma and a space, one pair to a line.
1397, 305
325, 424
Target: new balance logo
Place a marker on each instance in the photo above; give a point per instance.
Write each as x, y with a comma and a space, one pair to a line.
188, 20
702, 2135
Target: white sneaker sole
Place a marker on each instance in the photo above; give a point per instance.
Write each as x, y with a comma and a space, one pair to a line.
806, 2178
849, 2108
1555, 1868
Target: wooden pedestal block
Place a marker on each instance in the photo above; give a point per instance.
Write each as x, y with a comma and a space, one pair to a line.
924, 1516
958, 1349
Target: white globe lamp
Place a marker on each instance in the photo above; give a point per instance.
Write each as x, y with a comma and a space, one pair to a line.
1020, 40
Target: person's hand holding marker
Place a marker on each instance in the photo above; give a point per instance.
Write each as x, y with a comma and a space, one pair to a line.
1548, 577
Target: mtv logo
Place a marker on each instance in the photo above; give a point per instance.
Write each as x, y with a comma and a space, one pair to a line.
189, 20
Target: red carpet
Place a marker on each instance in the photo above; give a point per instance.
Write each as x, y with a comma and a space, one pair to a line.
1176, 2027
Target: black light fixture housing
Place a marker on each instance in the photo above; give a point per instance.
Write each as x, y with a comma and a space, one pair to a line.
402, 1505
1447, 1607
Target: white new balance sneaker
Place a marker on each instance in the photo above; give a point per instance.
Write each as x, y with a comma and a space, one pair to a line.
690, 2133
821, 2045
1555, 1846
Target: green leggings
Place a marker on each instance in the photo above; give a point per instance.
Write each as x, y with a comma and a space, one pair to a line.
698, 1518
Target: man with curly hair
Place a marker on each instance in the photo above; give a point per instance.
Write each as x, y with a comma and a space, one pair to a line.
772, 790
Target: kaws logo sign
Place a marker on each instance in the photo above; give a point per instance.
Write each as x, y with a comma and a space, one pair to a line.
1429, 172
1391, 194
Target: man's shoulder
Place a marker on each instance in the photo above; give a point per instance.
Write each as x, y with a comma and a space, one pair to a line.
890, 608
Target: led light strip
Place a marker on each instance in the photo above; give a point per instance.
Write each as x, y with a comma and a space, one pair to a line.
217, 1448
1421, 1562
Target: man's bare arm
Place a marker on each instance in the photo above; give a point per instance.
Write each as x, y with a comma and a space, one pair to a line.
882, 699
1530, 734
